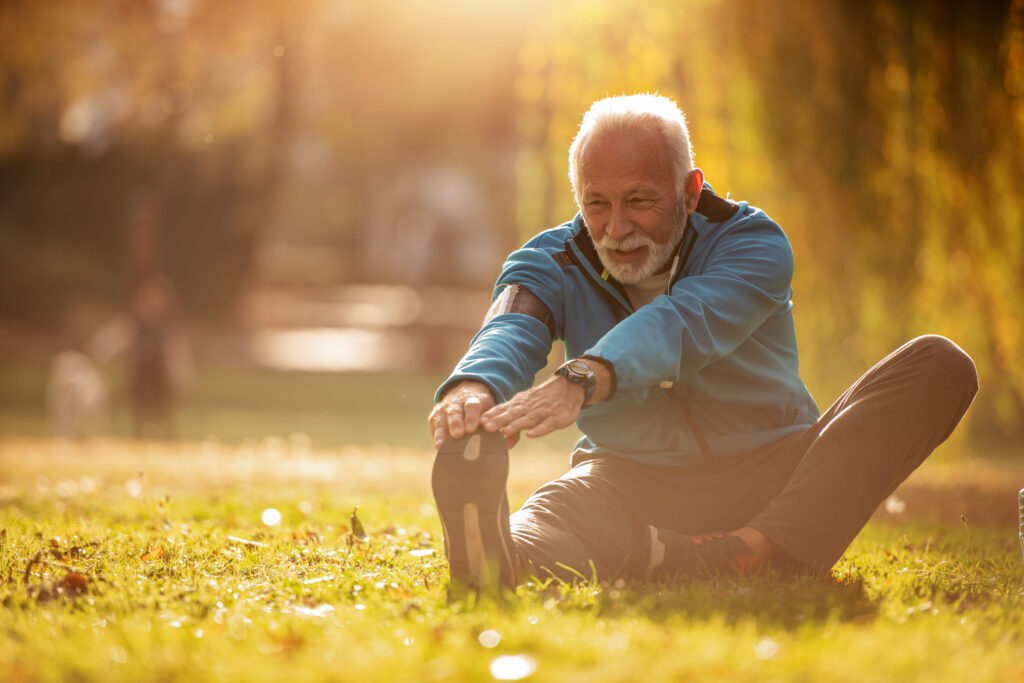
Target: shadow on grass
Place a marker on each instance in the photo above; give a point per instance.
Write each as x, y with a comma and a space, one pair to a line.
790, 602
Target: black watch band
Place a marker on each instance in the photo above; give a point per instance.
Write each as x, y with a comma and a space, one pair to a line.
581, 373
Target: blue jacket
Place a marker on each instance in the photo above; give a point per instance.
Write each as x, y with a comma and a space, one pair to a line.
704, 372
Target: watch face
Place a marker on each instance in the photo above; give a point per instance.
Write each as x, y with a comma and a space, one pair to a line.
579, 372
579, 367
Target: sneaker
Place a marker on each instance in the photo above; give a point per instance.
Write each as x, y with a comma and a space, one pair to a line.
670, 554
469, 479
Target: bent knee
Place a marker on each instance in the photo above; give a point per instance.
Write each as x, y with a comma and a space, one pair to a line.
947, 361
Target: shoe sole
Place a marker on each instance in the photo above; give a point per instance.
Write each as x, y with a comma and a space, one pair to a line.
469, 479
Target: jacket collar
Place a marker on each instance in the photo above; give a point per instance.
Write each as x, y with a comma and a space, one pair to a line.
583, 245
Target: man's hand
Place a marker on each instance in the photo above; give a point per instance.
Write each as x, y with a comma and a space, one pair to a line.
549, 406
458, 413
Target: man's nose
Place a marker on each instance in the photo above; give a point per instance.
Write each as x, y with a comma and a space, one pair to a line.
618, 225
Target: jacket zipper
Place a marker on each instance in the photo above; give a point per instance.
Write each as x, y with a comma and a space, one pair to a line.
690, 239
599, 286
691, 422
682, 256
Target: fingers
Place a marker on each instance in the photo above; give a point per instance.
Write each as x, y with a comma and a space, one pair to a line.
516, 421
438, 424
512, 419
496, 418
439, 435
456, 423
547, 426
538, 411
472, 409
552, 405
456, 415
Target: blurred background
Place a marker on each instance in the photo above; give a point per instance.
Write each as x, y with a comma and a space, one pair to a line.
283, 219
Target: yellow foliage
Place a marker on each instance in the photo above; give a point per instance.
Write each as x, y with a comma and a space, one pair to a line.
893, 163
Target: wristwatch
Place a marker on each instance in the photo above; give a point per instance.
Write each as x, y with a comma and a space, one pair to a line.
579, 372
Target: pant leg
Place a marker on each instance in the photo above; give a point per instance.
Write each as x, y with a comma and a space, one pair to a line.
597, 514
866, 444
584, 521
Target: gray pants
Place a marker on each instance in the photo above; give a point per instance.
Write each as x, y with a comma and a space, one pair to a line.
810, 493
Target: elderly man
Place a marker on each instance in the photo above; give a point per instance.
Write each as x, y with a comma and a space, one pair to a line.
703, 452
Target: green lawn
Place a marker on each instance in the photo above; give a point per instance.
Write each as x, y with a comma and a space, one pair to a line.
136, 561
126, 560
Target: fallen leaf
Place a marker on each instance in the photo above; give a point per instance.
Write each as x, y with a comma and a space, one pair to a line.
73, 584
154, 554
357, 527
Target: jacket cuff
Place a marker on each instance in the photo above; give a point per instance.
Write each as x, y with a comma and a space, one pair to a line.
611, 370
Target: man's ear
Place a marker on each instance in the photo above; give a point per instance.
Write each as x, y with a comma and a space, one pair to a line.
694, 185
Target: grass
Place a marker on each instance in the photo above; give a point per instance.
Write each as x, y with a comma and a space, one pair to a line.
126, 560
137, 561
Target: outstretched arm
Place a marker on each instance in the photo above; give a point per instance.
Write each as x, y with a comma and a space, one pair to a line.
511, 346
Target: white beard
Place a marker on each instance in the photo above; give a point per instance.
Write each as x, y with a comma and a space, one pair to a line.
657, 254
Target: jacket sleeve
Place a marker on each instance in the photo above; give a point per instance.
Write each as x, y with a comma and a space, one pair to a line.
511, 348
706, 316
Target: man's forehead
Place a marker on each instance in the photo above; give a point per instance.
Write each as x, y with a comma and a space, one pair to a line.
637, 153
645, 137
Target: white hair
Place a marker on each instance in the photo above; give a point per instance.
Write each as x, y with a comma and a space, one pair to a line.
624, 114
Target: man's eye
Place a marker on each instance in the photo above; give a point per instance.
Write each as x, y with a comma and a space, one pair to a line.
639, 201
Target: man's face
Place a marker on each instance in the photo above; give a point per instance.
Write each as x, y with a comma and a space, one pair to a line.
628, 197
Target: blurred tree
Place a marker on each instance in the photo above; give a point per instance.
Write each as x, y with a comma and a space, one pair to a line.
187, 103
239, 121
883, 135
913, 159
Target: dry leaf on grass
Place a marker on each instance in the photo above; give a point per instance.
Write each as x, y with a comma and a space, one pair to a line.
73, 584
357, 527
154, 554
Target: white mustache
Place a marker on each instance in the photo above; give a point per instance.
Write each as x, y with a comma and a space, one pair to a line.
628, 243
